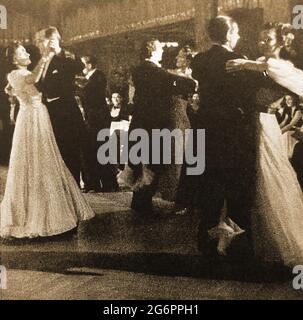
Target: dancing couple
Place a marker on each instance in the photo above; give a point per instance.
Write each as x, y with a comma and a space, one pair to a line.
42, 197
249, 191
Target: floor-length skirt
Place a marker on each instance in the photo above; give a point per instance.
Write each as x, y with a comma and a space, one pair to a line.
278, 215
41, 196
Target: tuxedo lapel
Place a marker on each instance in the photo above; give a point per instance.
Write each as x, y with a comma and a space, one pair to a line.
51, 67
92, 78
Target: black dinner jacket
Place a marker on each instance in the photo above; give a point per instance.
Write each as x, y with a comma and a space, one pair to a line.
94, 102
226, 95
59, 80
155, 88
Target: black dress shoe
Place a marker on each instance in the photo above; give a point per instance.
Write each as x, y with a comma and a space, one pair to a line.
206, 246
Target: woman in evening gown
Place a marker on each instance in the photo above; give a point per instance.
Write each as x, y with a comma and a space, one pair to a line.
170, 179
41, 197
277, 216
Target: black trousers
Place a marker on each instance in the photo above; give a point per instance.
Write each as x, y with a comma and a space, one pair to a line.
97, 176
68, 128
230, 175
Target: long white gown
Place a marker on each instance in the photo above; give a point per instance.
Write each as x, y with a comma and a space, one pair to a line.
277, 219
41, 196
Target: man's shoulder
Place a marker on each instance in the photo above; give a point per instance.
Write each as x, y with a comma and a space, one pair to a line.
147, 67
216, 52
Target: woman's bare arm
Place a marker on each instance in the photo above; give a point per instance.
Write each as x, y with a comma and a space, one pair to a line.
293, 122
36, 74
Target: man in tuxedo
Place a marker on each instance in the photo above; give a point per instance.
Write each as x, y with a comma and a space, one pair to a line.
227, 112
97, 117
58, 87
154, 88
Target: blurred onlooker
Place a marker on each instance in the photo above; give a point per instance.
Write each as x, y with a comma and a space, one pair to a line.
97, 177
192, 110
9, 108
292, 113
118, 110
188, 188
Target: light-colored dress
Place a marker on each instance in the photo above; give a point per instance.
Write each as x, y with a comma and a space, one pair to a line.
277, 219
41, 196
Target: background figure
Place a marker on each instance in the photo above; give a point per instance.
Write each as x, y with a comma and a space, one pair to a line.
9, 107
178, 119
118, 109
121, 117
188, 187
96, 177
6, 128
154, 89
297, 156
292, 120
58, 87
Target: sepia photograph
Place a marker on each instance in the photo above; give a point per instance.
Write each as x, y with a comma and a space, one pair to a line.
151, 150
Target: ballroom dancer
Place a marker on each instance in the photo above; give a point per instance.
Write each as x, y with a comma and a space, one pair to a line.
41, 197
227, 113
154, 89
57, 84
97, 177
169, 180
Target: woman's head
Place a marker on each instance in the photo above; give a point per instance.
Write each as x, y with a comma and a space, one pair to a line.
184, 57
276, 39
290, 101
17, 56
116, 99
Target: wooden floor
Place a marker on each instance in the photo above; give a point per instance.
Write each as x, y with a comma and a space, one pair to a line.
117, 257
98, 284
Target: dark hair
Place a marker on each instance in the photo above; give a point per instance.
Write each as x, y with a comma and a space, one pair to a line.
218, 28
285, 38
295, 98
92, 60
281, 29
148, 48
187, 52
10, 54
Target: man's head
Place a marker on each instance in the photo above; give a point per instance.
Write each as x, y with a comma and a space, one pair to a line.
90, 62
48, 38
224, 30
153, 50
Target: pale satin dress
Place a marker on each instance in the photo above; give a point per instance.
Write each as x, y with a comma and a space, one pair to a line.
41, 196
